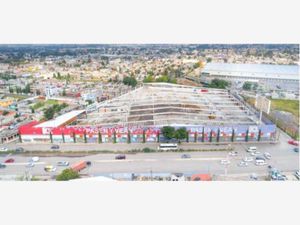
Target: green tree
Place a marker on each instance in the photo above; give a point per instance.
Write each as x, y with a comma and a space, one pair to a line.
149, 79
180, 133
5, 112
218, 83
26, 90
67, 174
247, 85
49, 113
130, 81
209, 60
64, 92
168, 132
11, 90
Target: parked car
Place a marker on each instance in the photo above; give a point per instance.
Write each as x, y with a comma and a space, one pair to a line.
186, 156
225, 162
88, 163
3, 149
267, 155
233, 153
248, 159
296, 150
19, 149
293, 142
242, 164
297, 174
35, 159
2, 166
251, 149
50, 168
10, 160
55, 147
256, 153
260, 163
120, 157
63, 163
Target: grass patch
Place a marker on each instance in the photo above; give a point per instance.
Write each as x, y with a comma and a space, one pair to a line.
291, 106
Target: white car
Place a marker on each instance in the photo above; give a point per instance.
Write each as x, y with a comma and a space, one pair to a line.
267, 155
248, 159
242, 164
260, 163
225, 162
30, 164
3, 149
35, 159
233, 153
256, 153
63, 163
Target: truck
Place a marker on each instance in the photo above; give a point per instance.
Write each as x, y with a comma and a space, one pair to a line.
79, 166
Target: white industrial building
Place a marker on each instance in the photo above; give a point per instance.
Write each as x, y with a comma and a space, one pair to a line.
284, 77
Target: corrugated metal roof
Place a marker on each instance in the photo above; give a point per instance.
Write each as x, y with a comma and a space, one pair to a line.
60, 120
259, 70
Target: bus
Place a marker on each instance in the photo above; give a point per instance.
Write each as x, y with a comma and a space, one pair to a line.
168, 146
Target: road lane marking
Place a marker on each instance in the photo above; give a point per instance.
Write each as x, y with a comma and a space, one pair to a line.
127, 160
23, 164
154, 160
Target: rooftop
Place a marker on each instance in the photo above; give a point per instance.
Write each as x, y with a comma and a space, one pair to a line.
160, 104
61, 120
286, 71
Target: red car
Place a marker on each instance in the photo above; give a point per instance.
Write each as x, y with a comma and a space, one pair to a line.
9, 160
293, 142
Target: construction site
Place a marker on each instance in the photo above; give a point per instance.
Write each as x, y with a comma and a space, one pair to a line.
209, 115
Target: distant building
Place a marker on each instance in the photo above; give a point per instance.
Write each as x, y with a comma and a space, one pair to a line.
284, 77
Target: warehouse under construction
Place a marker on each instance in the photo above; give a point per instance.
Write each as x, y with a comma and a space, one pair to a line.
209, 115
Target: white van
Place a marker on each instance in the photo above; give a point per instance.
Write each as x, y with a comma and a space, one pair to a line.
260, 162
251, 149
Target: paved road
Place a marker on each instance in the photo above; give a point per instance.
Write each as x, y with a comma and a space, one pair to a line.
283, 158
200, 162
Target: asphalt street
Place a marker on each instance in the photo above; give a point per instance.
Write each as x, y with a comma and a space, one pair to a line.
283, 158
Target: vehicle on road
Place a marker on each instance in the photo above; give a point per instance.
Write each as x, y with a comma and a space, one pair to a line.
297, 174
242, 164
248, 159
79, 166
88, 163
168, 146
10, 160
185, 156
3, 149
120, 157
2, 166
293, 142
63, 163
30, 164
252, 149
267, 155
55, 147
260, 163
233, 153
50, 168
256, 153
35, 159
253, 176
19, 149
225, 162
296, 150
